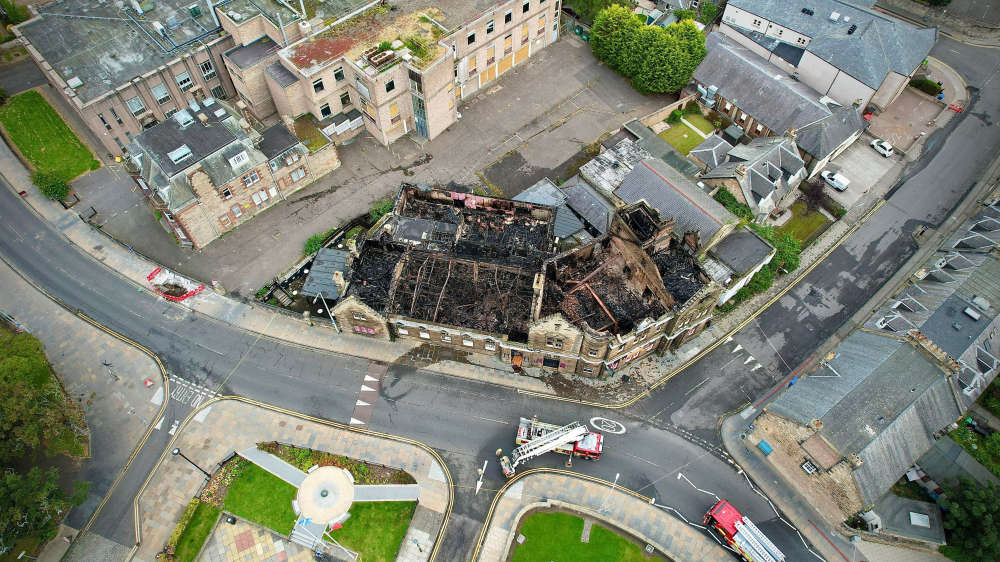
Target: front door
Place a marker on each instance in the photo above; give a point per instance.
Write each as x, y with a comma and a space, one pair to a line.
420, 116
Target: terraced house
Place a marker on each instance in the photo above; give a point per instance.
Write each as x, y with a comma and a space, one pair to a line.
334, 67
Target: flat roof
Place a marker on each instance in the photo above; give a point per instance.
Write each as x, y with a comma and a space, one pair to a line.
106, 46
249, 55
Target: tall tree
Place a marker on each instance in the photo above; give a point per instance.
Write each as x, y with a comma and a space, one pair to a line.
612, 33
32, 406
588, 9
32, 503
972, 519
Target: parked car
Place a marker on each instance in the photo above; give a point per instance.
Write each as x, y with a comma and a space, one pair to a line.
882, 147
835, 180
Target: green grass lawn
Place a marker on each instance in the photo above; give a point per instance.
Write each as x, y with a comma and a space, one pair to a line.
681, 137
196, 532
804, 224
556, 537
986, 450
376, 529
263, 498
697, 120
44, 138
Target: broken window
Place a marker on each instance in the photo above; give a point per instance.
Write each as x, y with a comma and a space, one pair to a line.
207, 70
394, 116
345, 99
445, 337
489, 27
359, 316
338, 73
490, 55
541, 24
553, 342
324, 110
115, 115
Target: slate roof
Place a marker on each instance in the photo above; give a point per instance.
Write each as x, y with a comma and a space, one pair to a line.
712, 151
320, 278
280, 74
895, 513
771, 164
947, 460
674, 196
821, 138
880, 398
878, 45
757, 87
544, 192
275, 140
202, 140
742, 250
587, 203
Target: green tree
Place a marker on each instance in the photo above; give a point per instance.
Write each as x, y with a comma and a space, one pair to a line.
588, 9
611, 36
684, 14
32, 504
51, 186
708, 12
15, 13
972, 519
33, 408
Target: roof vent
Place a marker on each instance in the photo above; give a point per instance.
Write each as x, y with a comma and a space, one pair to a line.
971, 313
74, 82
982, 303
220, 112
834, 16
207, 101
183, 118
807, 11
193, 104
179, 154
852, 29
203, 118
847, 18
235, 16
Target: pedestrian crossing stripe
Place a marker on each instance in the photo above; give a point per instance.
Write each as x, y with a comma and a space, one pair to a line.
369, 378
366, 388
356, 421
361, 403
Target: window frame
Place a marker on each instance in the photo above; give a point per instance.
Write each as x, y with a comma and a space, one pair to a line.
338, 74
210, 73
186, 83
508, 17
318, 85
166, 93
526, 7
490, 27
142, 106
390, 86
348, 102
325, 111
470, 38
250, 178
226, 193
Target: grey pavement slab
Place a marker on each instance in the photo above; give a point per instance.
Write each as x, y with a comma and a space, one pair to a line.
274, 465
386, 493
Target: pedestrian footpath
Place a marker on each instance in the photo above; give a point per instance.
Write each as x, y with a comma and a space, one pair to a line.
173, 481
594, 498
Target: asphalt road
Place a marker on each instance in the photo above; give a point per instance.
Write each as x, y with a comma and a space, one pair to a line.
465, 421
787, 333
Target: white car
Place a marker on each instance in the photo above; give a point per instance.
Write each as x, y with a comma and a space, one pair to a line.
882, 147
835, 180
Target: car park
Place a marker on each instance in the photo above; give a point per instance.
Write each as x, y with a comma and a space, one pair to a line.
882, 147
835, 180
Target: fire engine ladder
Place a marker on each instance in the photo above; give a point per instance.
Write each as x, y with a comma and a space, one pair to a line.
552, 440
758, 542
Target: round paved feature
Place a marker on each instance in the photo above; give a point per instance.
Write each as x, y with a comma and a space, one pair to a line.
325, 494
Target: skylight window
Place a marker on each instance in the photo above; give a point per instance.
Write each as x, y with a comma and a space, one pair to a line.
239, 159
180, 154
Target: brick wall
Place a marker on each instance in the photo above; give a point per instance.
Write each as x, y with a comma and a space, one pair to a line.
355, 317
665, 111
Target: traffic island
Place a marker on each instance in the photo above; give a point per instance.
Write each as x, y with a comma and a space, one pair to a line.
556, 535
210, 464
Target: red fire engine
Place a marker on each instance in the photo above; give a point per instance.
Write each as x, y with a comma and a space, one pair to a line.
741, 534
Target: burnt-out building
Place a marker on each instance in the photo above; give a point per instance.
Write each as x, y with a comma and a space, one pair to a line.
486, 274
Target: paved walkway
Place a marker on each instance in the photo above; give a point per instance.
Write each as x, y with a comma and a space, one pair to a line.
668, 534
386, 493
274, 465
225, 430
249, 542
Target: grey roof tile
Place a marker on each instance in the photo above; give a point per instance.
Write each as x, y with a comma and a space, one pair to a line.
879, 44
586, 202
712, 151
757, 87
742, 250
674, 196
202, 139
320, 278
821, 138
275, 140
249, 55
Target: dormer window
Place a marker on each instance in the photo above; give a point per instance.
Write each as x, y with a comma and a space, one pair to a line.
180, 154
239, 159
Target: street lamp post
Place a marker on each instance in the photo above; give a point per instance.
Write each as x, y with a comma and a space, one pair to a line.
177, 452
24, 554
611, 489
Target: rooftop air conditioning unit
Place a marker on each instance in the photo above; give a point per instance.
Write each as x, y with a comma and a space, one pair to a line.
971, 313
834, 16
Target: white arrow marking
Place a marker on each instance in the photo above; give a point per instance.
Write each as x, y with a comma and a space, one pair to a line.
729, 339
361, 403
173, 428
366, 388
369, 378
159, 424
738, 347
479, 483
749, 359
157, 398
755, 367
356, 421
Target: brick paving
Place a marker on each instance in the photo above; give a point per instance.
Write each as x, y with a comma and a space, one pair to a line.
225, 431
635, 516
249, 542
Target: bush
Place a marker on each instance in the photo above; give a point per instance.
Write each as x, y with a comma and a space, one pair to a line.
684, 14
15, 14
708, 12
315, 242
692, 108
380, 209
51, 186
729, 201
675, 116
926, 85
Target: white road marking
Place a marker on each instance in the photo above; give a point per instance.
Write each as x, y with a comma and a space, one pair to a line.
361, 403
369, 378
200, 417
157, 398
210, 349
356, 421
159, 424
173, 427
695, 387
493, 420
366, 388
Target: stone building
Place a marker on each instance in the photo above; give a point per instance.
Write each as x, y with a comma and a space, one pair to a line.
208, 171
338, 67
486, 275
